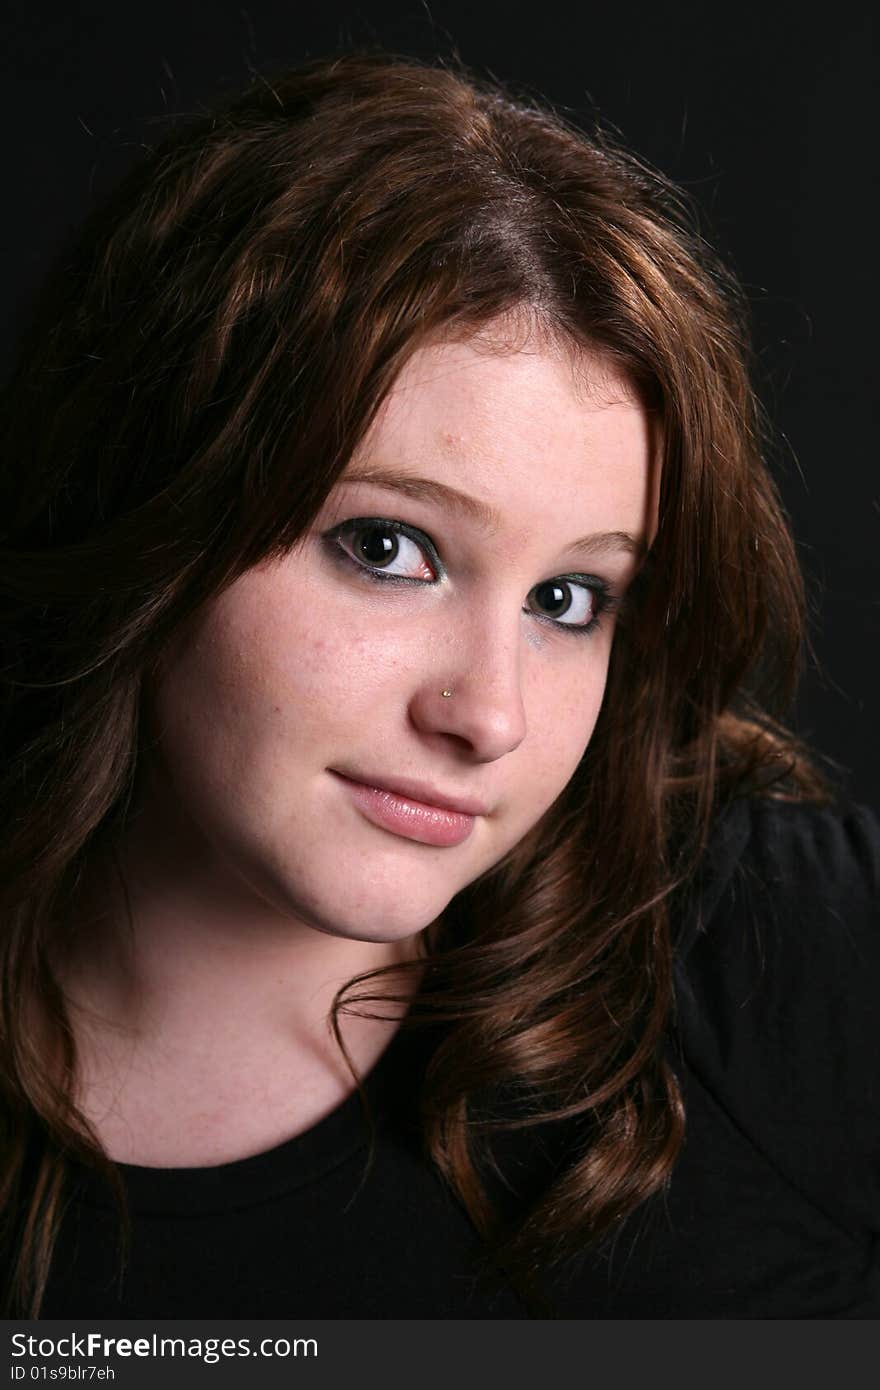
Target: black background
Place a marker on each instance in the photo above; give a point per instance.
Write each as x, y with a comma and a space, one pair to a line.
764, 115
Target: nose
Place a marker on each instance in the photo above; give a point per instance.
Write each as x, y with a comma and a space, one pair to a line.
475, 697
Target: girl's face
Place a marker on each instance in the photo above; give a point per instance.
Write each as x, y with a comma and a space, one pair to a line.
476, 545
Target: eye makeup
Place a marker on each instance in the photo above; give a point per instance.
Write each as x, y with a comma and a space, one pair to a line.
381, 541
369, 545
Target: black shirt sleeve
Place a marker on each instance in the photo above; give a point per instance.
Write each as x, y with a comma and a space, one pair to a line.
778, 1002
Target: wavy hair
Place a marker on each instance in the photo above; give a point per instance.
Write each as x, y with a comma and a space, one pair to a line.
230, 322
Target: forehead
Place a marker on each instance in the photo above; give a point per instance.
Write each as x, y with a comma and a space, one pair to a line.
530, 431
475, 371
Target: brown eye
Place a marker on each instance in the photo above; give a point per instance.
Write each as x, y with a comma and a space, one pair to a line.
377, 545
572, 603
553, 599
569, 603
388, 550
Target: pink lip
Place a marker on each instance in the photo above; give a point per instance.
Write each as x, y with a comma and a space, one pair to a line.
414, 810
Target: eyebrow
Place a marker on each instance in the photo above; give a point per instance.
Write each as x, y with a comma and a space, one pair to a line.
486, 516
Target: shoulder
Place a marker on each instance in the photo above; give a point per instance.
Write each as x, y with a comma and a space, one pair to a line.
802, 876
776, 983
831, 850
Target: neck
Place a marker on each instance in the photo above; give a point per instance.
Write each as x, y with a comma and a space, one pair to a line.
177, 970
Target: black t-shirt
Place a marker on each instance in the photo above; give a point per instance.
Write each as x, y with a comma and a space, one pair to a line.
773, 1210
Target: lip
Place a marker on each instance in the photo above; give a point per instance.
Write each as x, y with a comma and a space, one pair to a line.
413, 810
423, 792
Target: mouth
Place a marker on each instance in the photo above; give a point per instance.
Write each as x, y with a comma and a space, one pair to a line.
413, 810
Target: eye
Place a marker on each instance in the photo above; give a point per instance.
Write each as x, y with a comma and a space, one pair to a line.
388, 550
569, 602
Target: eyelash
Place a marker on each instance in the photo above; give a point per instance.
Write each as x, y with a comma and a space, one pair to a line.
604, 598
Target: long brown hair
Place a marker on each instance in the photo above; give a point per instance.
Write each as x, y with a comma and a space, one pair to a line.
202, 368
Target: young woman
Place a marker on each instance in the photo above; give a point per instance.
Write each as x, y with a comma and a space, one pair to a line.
413, 903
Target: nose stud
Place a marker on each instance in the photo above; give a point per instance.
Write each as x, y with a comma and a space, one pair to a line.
446, 694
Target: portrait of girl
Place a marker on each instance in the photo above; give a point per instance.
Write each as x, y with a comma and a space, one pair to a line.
415, 901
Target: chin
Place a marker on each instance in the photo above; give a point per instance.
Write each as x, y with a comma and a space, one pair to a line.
368, 934
359, 919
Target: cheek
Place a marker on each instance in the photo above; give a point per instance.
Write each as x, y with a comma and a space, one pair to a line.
264, 682
562, 715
